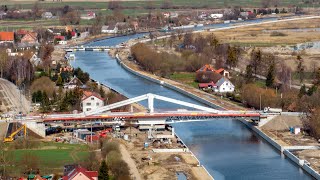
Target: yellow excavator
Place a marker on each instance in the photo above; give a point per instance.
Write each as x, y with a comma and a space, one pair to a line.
11, 137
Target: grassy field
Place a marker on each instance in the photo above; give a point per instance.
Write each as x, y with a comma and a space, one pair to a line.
185, 78
141, 3
260, 35
53, 156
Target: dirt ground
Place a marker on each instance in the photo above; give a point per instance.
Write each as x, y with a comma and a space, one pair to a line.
312, 156
161, 165
278, 129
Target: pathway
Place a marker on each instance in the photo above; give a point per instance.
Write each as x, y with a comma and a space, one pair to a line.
132, 165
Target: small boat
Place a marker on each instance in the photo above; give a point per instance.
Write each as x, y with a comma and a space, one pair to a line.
72, 57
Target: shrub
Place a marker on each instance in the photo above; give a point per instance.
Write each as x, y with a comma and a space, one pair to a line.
276, 33
108, 147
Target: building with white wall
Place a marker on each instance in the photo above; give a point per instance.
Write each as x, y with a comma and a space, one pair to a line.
91, 101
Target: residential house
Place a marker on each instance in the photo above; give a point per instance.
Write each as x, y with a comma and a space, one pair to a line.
6, 37
30, 38
216, 16
166, 14
210, 68
217, 80
55, 31
35, 60
46, 15
246, 14
2, 14
224, 85
91, 101
58, 37
135, 25
111, 29
73, 83
63, 42
223, 72
80, 173
173, 15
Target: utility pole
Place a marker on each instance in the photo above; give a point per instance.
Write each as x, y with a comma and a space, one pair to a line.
91, 132
260, 102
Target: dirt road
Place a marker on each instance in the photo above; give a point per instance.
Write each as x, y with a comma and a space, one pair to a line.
127, 158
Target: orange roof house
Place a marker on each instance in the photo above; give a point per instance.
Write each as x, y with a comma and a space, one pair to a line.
210, 68
6, 37
30, 38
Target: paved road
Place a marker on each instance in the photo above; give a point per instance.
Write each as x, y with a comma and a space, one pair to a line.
132, 165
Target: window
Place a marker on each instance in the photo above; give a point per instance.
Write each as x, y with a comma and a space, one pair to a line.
223, 88
97, 104
227, 84
92, 98
88, 104
88, 109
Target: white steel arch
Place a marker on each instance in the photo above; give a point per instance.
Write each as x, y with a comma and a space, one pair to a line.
150, 97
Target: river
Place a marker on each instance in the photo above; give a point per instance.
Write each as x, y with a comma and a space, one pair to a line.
226, 147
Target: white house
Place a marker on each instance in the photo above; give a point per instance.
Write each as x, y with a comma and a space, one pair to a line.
62, 42
47, 15
35, 60
73, 83
112, 29
216, 16
91, 101
224, 85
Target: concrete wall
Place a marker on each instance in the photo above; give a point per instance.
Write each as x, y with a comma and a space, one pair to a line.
293, 157
170, 150
262, 134
286, 152
38, 128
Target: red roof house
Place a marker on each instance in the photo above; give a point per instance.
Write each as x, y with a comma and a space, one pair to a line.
81, 173
91, 101
6, 37
62, 38
30, 38
210, 68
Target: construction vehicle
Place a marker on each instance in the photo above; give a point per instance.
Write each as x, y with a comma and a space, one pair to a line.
11, 137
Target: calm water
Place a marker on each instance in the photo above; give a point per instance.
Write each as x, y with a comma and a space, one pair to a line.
226, 148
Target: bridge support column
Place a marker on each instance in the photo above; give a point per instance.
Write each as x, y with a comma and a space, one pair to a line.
150, 103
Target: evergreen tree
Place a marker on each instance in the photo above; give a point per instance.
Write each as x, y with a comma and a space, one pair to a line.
232, 58
256, 60
103, 171
303, 91
270, 76
312, 90
249, 73
59, 81
300, 68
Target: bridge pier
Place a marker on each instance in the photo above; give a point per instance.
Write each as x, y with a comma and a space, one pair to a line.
150, 103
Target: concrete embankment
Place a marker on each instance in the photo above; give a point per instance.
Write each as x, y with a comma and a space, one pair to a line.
302, 163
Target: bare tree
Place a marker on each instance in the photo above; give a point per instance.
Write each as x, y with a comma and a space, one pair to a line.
3, 61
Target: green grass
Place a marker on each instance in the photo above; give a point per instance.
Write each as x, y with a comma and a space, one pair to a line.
186, 78
54, 155
260, 83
